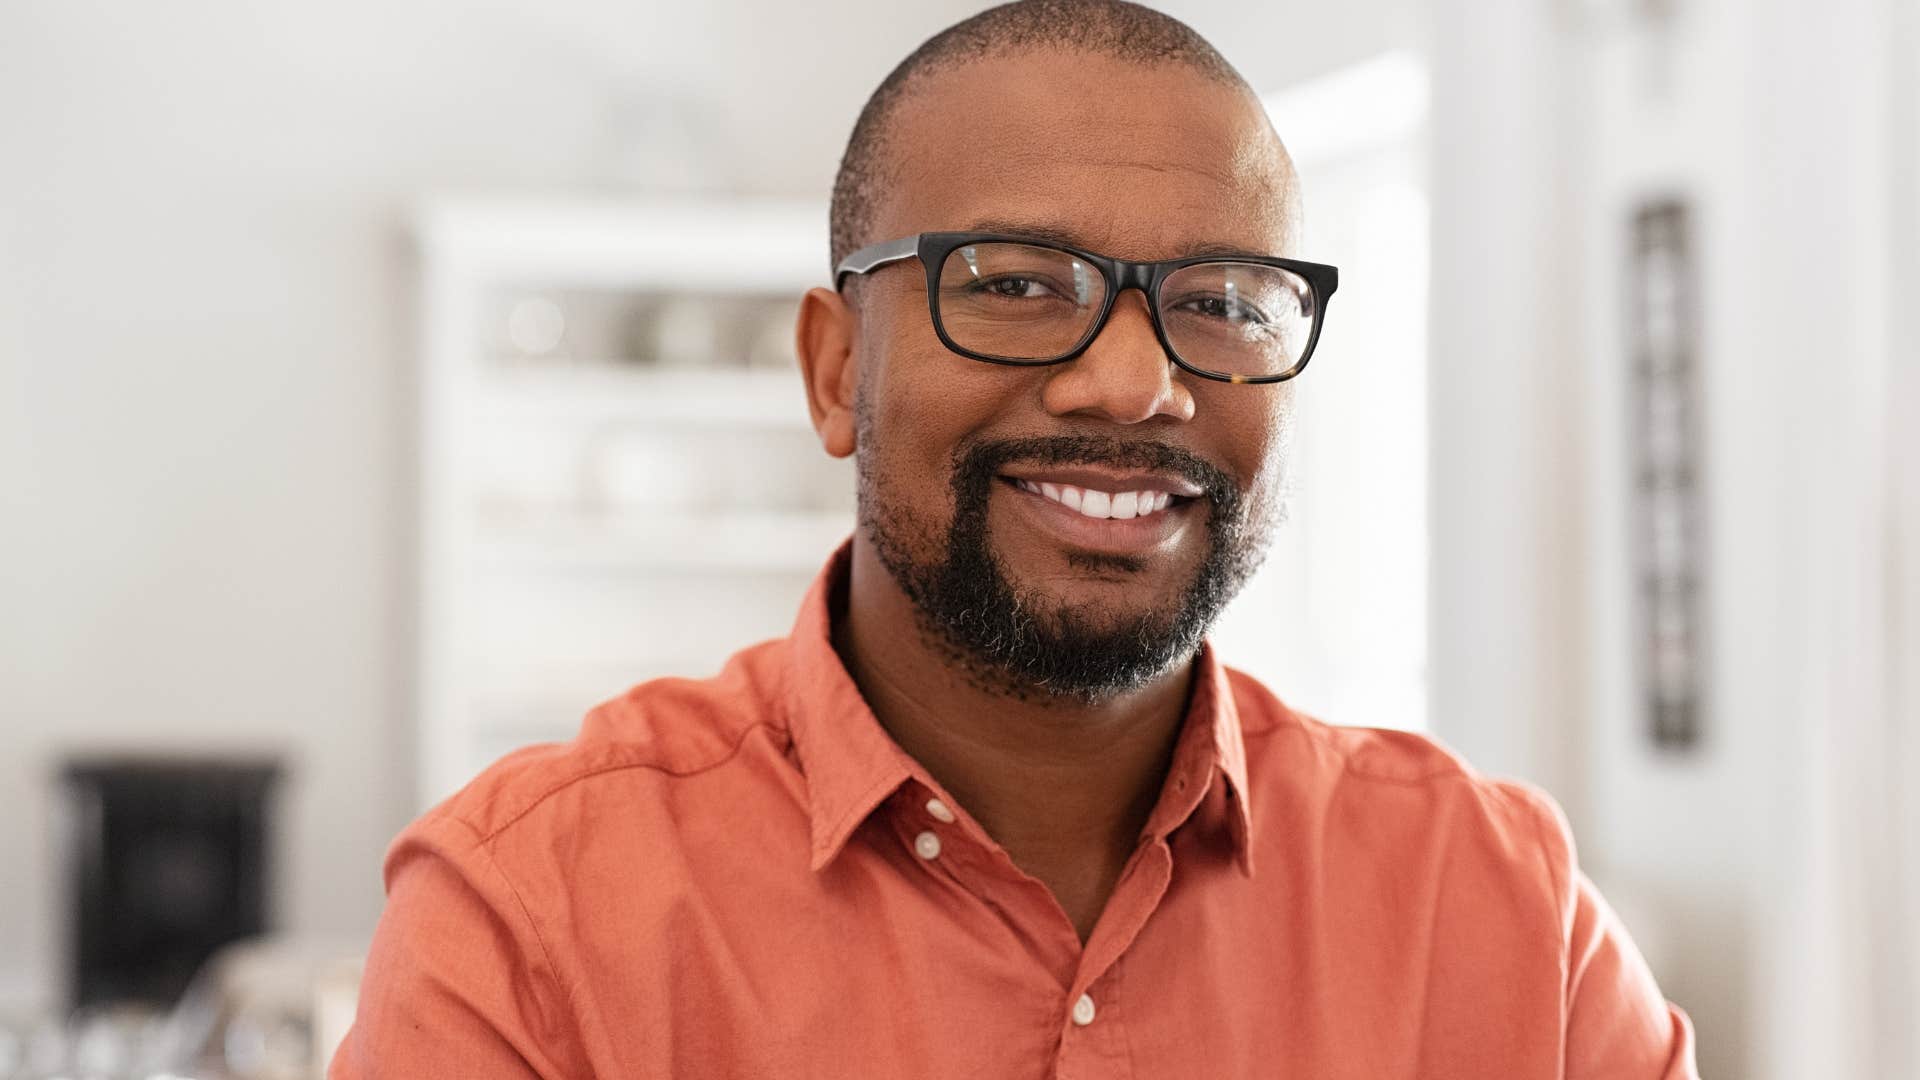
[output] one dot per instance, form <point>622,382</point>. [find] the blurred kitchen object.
<point>167,860</point>
<point>269,1009</point>
<point>272,1008</point>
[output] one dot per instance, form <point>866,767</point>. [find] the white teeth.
<point>1100,504</point>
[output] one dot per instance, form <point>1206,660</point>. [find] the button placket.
<point>953,851</point>
<point>919,823</point>
<point>927,845</point>
<point>1096,1041</point>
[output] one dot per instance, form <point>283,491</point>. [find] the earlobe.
<point>823,339</point>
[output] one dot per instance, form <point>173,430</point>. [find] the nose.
<point>1124,377</point>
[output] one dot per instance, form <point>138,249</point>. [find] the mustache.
<point>977,464</point>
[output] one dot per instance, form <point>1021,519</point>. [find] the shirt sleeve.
<point>458,982</point>
<point>1618,1024</point>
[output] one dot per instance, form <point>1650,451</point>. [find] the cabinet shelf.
<point>595,393</point>
<point>631,542</point>
<point>598,511</point>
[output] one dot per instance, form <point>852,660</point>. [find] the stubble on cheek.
<point>885,513</point>
<point>912,546</point>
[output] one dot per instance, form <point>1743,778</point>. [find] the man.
<point>995,809</point>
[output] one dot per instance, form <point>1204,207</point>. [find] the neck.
<point>1063,785</point>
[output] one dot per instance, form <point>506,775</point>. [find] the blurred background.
<point>374,399</point>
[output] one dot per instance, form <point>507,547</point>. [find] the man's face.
<point>1030,594</point>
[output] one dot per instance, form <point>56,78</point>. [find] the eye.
<point>1013,287</point>
<point>1228,308</point>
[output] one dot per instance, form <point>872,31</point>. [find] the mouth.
<point>1107,513</point>
<point>1098,504</point>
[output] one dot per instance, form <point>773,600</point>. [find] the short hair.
<point>1112,28</point>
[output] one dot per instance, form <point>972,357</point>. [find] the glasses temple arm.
<point>875,256</point>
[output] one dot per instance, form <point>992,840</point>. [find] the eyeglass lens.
<point>1024,302</point>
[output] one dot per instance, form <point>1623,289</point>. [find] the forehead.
<point>1133,161</point>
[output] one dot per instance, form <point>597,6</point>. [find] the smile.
<point>1093,503</point>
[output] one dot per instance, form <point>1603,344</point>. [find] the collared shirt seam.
<point>484,845</point>
<point>1320,735</point>
<point>600,770</point>
<point>1442,772</point>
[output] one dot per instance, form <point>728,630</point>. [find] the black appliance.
<point>167,861</point>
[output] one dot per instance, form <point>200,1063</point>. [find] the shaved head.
<point>1112,29</point>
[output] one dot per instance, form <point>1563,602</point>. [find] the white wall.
<point>1335,620</point>
<point>1767,874</point>
<point>205,397</point>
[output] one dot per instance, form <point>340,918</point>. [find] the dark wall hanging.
<point>1666,407</point>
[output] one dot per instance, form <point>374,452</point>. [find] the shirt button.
<point>1083,1010</point>
<point>939,810</point>
<point>927,846</point>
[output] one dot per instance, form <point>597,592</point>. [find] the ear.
<point>823,338</point>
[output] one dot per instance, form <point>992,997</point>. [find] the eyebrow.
<point>1066,237</point>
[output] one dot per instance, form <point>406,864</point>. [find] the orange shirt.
<point>743,876</point>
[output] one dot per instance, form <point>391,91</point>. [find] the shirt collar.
<point>1211,754</point>
<point>852,764</point>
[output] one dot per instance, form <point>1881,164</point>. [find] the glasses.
<point>1025,302</point>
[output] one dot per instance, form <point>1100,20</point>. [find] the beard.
<point>1016,641</point>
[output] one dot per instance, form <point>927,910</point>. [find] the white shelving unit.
<point>618,478</point>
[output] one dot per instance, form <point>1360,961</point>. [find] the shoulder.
<point>1403,784</point>
<point>652,736</point>
<point>671,784</point>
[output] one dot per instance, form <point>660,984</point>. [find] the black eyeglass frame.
<point>932,249</point>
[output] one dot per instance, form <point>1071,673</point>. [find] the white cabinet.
<point>618,479</point>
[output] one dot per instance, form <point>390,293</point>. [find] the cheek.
<point>926,402</point>
<point>1258,449</point>
<point>1278,441</point>
<point>919,404</point>
<point>1255,424</point>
